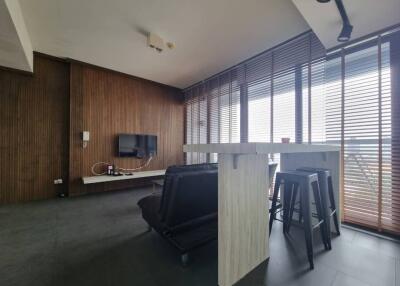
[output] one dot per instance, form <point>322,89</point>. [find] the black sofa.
<point>185,214</point>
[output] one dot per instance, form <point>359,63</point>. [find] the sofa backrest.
<point>193,195</point>
<point>170,173</point>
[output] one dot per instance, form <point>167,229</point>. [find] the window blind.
<point>269,82</point>
<point>259,110</point>
<point>361,136</point>
<point>391,207</point>
<point>348,97</point>
<point>212,114</point>
<point>360,98</point>
<point>284,107</point>
<point>313,102</point>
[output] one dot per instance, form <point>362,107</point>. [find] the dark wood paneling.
<point>34,116</point>
<point>107,103</point>
<point>43,114</point>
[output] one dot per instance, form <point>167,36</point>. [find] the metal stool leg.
<point>274,201</point>
<point>295,189</point>
<point>287,195</point>
<point>323,184</point>
<point>308,230</point>
<point>333,205</point>
<point>320,214</point>
<point>300,210</point>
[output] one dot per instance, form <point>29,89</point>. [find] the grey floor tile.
<point>102,240</point>
<point>342,279</point>
<point>366,265</point>
<point>378,244</point>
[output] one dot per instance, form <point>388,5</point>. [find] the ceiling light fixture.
<point>345,34</point>
<point>347,29</point>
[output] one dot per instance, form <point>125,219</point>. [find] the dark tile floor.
<point>101,240</point>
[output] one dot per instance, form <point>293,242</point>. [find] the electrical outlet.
<point>58,181</point>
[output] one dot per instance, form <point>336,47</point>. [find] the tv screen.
<point>137,145</point>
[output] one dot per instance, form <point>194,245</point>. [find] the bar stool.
<point>326,185</point>
<point>305,182</point>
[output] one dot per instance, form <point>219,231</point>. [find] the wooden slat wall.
<point>107,103</point>
<point>34,113</point>
<point>42,115</point>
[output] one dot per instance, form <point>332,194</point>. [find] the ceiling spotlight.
<point>324,1</point>
<point>345,34</point>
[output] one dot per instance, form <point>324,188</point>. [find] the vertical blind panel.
<point>259,110</point>
<point>258,68</point>
<point>395,84</point>
<point>224,111</point>
<point>229,109</point>
<point>284,106</point>
<point>390,212</point>
<point>235,108</point>
<point>214,106</point>
<point>333,107</point>
<point>305,102</point>
<point>316,104</point>
<point>213,114</point>
<point>361,135</point>
<point>202,123</point>
<point>188,118</point>
<point>297,52</point>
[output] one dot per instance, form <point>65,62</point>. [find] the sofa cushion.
<point>169,175</point>
<point>193,195</point>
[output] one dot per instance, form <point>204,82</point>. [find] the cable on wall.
<point>93,168</point>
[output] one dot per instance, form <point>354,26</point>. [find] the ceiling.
<point>15,45</point>
<point>210,35</point>
<point>366,16</point>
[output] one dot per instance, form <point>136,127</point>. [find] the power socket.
<point>58,181</point>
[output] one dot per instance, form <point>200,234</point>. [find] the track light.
<point>347,29</point>
<point>345,34</point>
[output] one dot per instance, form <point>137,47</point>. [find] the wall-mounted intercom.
<point>85,138</point>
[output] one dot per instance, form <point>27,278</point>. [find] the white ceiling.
<point>366,16</point>
<point>15,45</point>
<point>210,35</point>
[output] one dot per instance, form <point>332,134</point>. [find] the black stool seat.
<point>305,182</point>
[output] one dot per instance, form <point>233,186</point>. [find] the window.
<point>348,97</point>
<point>212,114</point>
<point>259,110</point>
<point>357,114</point>
<point>284,109</point>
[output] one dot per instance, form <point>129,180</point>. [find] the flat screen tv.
<point>137,145</point>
